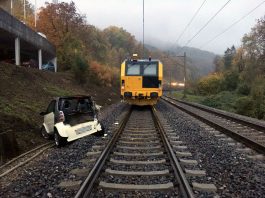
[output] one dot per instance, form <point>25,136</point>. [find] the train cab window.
<point>150,69</point>
<point>133,69</point>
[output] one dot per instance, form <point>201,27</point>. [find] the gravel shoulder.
<point>234,174</point>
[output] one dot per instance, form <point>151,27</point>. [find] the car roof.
<point>74,97</point>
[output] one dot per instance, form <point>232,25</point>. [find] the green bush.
<point>230,81</point>
<point>244,106</point>
<point>211,102</point>
<point>258,95</point>
<point>80,69</point>
<point>243,89</point>
<point>210,84</point>
<point>223,100</point>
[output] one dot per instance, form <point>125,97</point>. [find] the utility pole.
<point>35,16</point>
<point>170,83</point>
<point>11,7</point>
<point>185,75</point>
<point>24,11</point>
<point>143,30</point>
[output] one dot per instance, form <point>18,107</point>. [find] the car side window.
<point>51,107</point>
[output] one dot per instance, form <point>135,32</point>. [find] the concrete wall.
<point>18,29</point>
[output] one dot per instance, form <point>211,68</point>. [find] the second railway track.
<point>139,160</point>
<point>23,159</point>
<point>247,132</point>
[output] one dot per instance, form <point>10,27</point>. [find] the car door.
<point>49,117</point>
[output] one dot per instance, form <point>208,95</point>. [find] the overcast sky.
<point>166,19</point>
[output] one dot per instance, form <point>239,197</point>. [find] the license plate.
<point>83,129</point>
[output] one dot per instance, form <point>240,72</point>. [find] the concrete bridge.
<point>20,43</point>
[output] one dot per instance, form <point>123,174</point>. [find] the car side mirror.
<point>43,113</point>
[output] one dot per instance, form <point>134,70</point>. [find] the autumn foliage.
<point>241,72</point>
<point>75,39</point>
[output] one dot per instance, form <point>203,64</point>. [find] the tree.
<point>219,64</point>
<point>80,69</point>
<point>238,60</point>
<point>254,42</point>
<point>18,11</point>
<point>230,81</point>
<point>210,84</point>
<point>228,57</point>
<point>57,21</point>
<point>122,44</point>
<point>120,38</point>
<point>67,52</point>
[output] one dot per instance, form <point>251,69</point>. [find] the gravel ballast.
<point>41,177</point>
<point>231,171</point>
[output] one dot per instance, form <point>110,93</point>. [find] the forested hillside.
<point>238,83</point>
<point>200,62</point>
<point>87,51</point>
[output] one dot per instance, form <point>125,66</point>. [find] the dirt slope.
<point>25,92</point>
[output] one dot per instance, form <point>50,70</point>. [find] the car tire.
<point>44,133</point>
<point>59,140</point>
<point>101,132</point>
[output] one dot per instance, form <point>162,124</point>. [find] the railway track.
<point>249,132</point>
<point>23,159</point>
<point>139,160</point>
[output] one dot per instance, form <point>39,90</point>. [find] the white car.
<point>70,118</point>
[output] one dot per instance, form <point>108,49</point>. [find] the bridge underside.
<point>27,50</point>
<point>19,44</point>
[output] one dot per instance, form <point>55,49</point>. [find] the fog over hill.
<point>199,62</point>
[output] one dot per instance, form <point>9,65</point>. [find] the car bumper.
<point>77,131</point>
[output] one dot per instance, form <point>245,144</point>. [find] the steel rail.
<point>48,145</point>
<point>23,154</point>
<point>257,126</point>
<point>248,142</point>
<point>87,186</point>
<point>185,188</point>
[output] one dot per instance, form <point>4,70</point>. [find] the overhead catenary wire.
<point>232,25</point>
<point>143,30</point>
<point>193,17</point>
<point>205,25</point>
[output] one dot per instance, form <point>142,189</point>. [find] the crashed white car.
<point>70,118</point>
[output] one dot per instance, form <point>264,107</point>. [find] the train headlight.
<point>122,84</point>
<point>135,57</point>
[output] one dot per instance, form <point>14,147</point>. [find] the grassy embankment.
<point>225,100</point>
<point>25,92</point>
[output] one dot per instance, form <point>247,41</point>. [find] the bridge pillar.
<point>40,58</point>
<point>17,50</point>
<point>54,61</point>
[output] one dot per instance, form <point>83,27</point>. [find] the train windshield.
<point>133,69</point>
<point>142,69</point>
<point>150,69</point>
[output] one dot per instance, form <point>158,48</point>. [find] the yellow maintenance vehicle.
<point>141,81</point>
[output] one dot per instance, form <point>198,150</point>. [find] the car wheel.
<point>101,132</point>
<point>59,140</point>
<point>44,133</point>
